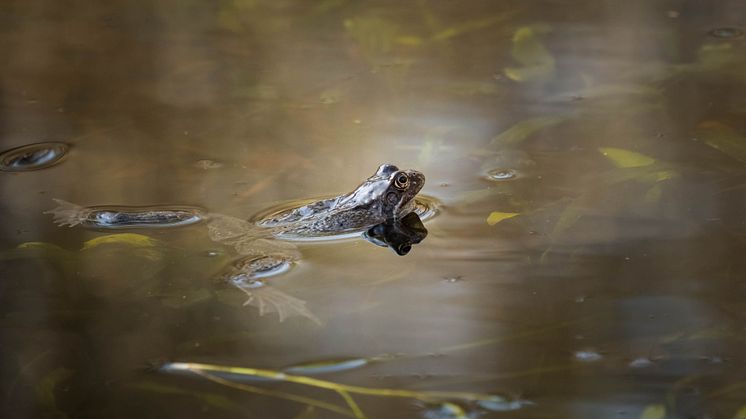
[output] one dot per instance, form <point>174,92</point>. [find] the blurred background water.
<point>586,261</point>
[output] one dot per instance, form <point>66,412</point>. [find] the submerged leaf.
<point>525,129</point>
<point>45,389</point>
<point>570,215</point>
<point>624,158</point>
<point>537,63</point>
<point>654,411</point>
<point>495,217</point>
<point>723,138</point>
<point>741,414</point>
<point>129,239</point>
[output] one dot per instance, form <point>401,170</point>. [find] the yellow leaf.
<point>129,239</point>
<point>624,158</point>
<point>495,217</point>
<point>525,129</point>
<point>654,411</point>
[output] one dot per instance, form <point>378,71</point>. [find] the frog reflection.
<point>398,234</point>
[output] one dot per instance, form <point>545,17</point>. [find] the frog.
<point>386,195</point>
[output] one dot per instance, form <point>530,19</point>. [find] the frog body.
<point>388,194</point>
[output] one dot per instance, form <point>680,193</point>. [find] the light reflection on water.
<point>617,290</point>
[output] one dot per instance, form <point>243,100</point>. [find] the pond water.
<point>584,256</point>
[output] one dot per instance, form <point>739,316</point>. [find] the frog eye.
<point>401,181</point>
<point>392,198</point>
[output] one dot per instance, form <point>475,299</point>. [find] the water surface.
<point>603,279</point>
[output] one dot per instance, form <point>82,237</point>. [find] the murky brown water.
<point>586,262</point>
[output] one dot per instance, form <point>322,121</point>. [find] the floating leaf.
<point>654,411</point>
<point>537,63</point>
<point>624,158</point>
<point>495,217</point>
<point>525,129</point>
<point>723,138</point>
<point>129,239</point>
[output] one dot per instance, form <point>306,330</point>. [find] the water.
<point>608,282</point>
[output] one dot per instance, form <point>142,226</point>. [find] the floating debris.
<point>321,367</point>
<point>32,157</point>
<point>726,33</point>
<point>444,402</point>
<point>122,217</point>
